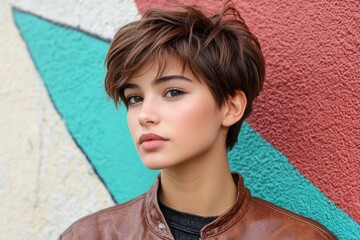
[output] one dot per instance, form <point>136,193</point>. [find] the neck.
<point>203,187</point>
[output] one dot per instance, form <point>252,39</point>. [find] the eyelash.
<point>128,99</point>
<point>178,91</point>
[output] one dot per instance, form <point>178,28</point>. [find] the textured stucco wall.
<point>300,149</point>
<point>310,109</point>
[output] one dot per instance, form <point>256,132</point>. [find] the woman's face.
<point>173,118</point>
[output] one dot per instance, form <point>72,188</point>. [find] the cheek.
<point>196,120</point>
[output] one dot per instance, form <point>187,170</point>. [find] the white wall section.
<point>46,183</point>
<point>102,18</point>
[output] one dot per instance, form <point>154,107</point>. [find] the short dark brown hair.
<point>219,49</point>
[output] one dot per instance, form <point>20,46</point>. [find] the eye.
<point>173,93</point>
<point>133,99</point>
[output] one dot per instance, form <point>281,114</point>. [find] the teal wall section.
<point>71,65</point>
<point>269,175</point>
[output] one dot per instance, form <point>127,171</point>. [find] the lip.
<point>151,141</point>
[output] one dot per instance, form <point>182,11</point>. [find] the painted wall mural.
<point>66,151</point>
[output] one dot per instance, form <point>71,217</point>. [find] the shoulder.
<point>286,223</point>
<point>107,219</point>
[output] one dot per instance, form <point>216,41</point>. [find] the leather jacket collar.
<point>155,218</point>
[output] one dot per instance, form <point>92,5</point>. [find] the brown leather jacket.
<point>250,219</point>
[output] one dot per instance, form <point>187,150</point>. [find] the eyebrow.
<point>157,81</point>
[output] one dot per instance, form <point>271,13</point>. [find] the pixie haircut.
<point>220,50</point>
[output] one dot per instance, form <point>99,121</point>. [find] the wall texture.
<point>66,152</point>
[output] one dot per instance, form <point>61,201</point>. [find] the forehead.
<point>157,67</point>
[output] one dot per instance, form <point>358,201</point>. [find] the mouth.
<point>151,141</point>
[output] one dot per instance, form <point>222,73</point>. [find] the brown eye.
<point>133,99</point>
<point>173,93</point>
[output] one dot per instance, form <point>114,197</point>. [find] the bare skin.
<point>204,188</point>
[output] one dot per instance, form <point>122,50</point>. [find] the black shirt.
<point>184,226</point>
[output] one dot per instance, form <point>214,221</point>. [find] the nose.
<point>148,114</point>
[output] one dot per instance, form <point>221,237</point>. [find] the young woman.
<point>188,82</point>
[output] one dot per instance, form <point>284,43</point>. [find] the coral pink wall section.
<point>309,109</point>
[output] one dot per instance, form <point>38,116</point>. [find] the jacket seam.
<point>322,231</point>
<point>149,227</point>
<point>117,207</point>
<point>237,220</point>
<point>69,231</point>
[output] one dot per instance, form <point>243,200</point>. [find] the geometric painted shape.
<point>101,18</point>
<point>310,107</point>
<point>269,175</point>
<point>46,182</point>
<point>71,66</point>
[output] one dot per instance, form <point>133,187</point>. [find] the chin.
<point>155,164</point>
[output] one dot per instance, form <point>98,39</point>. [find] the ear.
<point>234,109</point>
